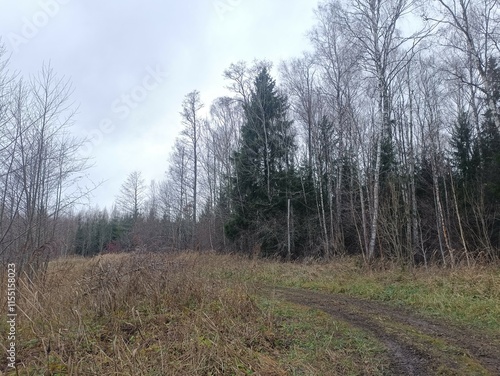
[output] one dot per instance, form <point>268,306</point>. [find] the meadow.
<point>209,314</point>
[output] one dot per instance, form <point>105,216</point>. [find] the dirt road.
<point>417,346</point>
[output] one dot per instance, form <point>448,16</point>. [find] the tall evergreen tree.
<point>264,169</point>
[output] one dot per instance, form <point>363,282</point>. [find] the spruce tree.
<point>263,169</point>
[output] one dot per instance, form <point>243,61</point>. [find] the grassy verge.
<point>184,314</point>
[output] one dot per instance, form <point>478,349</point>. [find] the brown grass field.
<point>206,314</point>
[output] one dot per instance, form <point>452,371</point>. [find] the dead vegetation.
<point>205,314</point>
<point>138,315</point>
<point>157,314</point>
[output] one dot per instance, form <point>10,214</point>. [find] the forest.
<point>382,140</point>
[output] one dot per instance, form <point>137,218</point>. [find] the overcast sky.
<point>132,62</point>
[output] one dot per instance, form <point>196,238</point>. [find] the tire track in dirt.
<point>417,346</point>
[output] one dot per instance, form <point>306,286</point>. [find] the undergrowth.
<point>175,314</point>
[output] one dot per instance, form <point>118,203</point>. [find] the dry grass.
<point>138,315</point>
<point>177,314</point>
<point>201,314</point>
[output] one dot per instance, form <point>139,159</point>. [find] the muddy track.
<point>416,345</point>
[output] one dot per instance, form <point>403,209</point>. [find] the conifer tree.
<point>264,168</point>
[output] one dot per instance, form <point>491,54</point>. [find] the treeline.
<point>383,141</point>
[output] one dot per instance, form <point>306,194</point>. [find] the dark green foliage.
<point>476,162</point>
<point>464,149</point>
<point>489,139</point>
<point>93,233</point>
<point>388,154</point>
<point>97,233</point>
<point>265,177</point>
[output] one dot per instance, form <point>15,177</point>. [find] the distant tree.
<point>93,233</point>
<point>192,132</point>
<point>132,195</point>
<point>178,190</point>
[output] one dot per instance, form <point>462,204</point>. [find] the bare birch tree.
<point>375,25</point>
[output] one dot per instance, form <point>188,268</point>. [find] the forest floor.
<point>210,314</point>
<point>416,345</point>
